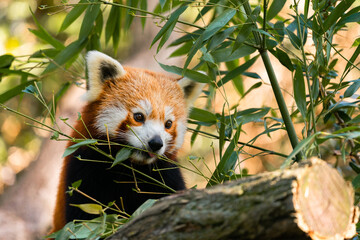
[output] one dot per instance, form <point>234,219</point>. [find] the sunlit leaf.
<point>70,150</point>
<point>90,208</point>
<point>73,14</point>
<point>122,155</point>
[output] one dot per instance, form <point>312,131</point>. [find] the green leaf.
<point>352,89</point>
<point>219,22</point>
<point>184,49</point>
<point>6,60</point>
<point>15,91</point>
<point>76,184</point>
<point>227,162</point>
<point>90,17</point>
<point>44,53</point>
<point>280,30</point>
<point>274,9</point>
<point>237,71</point>
<point>191,74</point>
<point>226,54</point>
<point>202,115</point>
<point>356,182</point>
<point>67,54</point>
<point>147,204</point>
<point>122,155</point>
<point>73,14</point>
<point>351,61</point>
<point>218,38</point>
<point>283,59</point>
<point>299,90</point>
<point>70,150</point>
<point>256,85</point>
<point>250,115</point>
<point>90,208</point>
<point>338,11</point>
<point>297,149</point>
<point>170,23</point>
<point>166,36</point>
<point>112,22</point>
<point>295,41</point>
<point>44,35</point>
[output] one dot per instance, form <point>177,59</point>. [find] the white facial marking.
<point>169,113</point>
<point>181,130</point>
<point>111,116</point>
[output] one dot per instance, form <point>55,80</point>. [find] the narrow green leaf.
<point>121,156</point>
<point>202,115</point>
<point>218,23</point>
<point>226,54</point>
<point>299,90</point>
<point>90,17</point>
<point>183,50</point>
<point>70,52</point>
<point>166,36</point>
<point>256,85</point>
<point>76,184</point>
<point>246,28</point>
<point>15,91</point>
<point>73,15</point>
<point>295,41</point>
<point>284,59</point>
<point>274,9</point>
<point>6,71</point>
<point>356,182</point>
<point>351,61</point>
<point>304,143</point>
<point>143,6</point>
<point>111,22</point>
<point>237,71</point>
<point>90,208</point>
<point>218,38</point>
<point>147,204</point>
<point>44,53</point>
<point>170,23</point>
<point>191,74</point>
<point>338,11</point>
<point>279,27</point>
<point>251,115</point>
<point>352,89</point>
<point>44,35</point>
<point>228,161</point>
<point>6,60</point>
<point>76,146</point>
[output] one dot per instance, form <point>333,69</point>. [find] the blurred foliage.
<point>220,45</point>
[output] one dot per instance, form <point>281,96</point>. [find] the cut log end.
<point>324,203</point>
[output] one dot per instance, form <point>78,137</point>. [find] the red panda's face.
<point>143,109</point>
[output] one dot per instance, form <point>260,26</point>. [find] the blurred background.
<point>30,161</point>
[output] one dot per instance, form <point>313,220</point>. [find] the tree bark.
<point>311,201</point>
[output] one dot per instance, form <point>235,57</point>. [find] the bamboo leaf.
<point>299,90</point>
<point>90,17</point>
<point>70,150</point>
<point>122,155</point>
<point>352,89</point>
<point>6,60</point>
<point>237,71</point>
<point>338,11</point>
<point>191,74</point>
<point>170,23</point>
<point>218,23</point>
<point>112,22</point>
<point>67,54</point>
<point>90,208</point>
<point>226,54</point>
<point>274,9</point>
<point>15,91</point>
<point>73,15</point>
<point>202,115</point>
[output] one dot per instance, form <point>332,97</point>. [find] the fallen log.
<point>311,201</point>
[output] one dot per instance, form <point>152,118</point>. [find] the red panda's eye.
<point>168,124</point>
<point>139,117</point>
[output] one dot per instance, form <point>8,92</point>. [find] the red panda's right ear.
<point>100,68</point>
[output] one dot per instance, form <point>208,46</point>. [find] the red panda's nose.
<point>155,143</point>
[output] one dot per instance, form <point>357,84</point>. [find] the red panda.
<point>135,107</point>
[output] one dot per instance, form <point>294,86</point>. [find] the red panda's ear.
<point>100,68</point>
<point>191,90</point>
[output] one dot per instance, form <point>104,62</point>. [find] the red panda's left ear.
<point>100,68</point>
<point>191,90</point>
